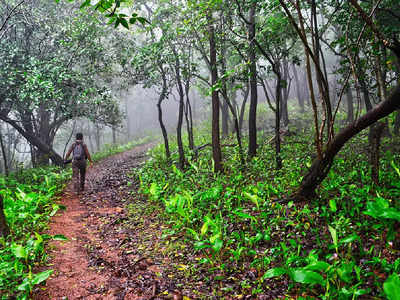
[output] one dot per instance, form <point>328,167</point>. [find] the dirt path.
<point>100,260</point>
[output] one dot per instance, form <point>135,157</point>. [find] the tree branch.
<point>10,14</point>
<point>394,45</point>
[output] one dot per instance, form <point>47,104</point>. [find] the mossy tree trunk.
<point>4,230</point>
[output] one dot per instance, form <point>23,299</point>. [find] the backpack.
<point>78,153</point>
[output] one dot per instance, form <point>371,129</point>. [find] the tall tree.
<point>215,132</point>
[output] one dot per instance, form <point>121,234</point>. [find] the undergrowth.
<point>28,197</point>
<point>343,245</point>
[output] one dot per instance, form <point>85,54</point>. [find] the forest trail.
<point>102,258</point>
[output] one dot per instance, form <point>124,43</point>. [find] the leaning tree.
<point>327,152</point>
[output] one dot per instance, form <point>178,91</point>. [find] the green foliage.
<point>29,202</point>
<point>329,248</point>
<point>392,287</point>
<point>111,8</point>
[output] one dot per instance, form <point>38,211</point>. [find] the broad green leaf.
<point>124,23</point>
<point>214,237</point>
<point>204,228</point>
<point>390,213</point>
<point>244,215</point>
<point>350,239</point>
<point>39,238</point>
<point>19,251</point>
<point>345,271</point>
<point>391,287</point>
<point>111,20</point>
<point>201,245</point>
<point>395,167</point>
<point>306,276</point>
<point>217,245</point>
<point>84,4</point>
<point>318,266</point>
<point>24,286</point>
<point>60,237</point>
<point>153,189</point>
<point>333,235</point>
<point>194,233</point>
<point>382,202</point>
<point>274,272</point>
<point>252,198</point>
<point>332,205</point>
<point>55,209</point>
<point>361,292</point>
<point>42,276</point>
<point>132,20</point>
<point>142,20</point>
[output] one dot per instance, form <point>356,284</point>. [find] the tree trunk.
<point>180,111</point>
<point>189,116</point>
<point>128,121</point>
<point>300,99</point>
<point>161,98</point>
<point>396,129</point>
<point>278,93</point>
<point>42,157</point>
<point>3,152</point>
<point>233,97</point>
<point>364,89</point>
<point>225,119</point>
<point>35,141</point>
<point>4,230</point>
<point>216,146</point>
<point>253,83</point>
<point>321,77</point>
<point>97,136</point>
<point>90,135</point>
<point>350,108</point>
<point>243,107</point>
<point>224,104</point>
<point>306,91</point>
<point>375,143</point>
<point>114,135</point>
<point>321,166</point>
<point>285,89</point>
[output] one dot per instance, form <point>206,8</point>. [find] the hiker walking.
<point>80,154</point>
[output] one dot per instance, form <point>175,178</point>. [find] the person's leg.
<point>75,176</point>
<point>82,170</point>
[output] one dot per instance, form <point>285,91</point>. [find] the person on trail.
<point>80,154</point>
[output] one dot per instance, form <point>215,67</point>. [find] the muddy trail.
<point>114,250</point>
